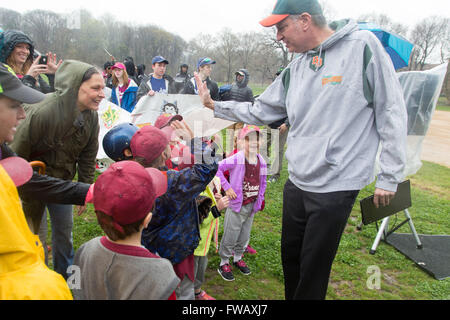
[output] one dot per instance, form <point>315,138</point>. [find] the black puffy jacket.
<point>240,91</point>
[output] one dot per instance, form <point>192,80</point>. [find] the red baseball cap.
<point>127,191</point>
<point>247,130</point>
<point>118,65</point>
<point>165,119</point>
<point>148,142</point>
<point>18,169</point>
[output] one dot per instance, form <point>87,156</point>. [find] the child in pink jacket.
<point>248,173</point>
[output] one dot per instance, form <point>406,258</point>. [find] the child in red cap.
<point>116,266</point>
<point>173,232</point>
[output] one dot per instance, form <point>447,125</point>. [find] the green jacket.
<point>57,133</point>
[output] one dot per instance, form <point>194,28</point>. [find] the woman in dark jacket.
<point>62,131</point>
<point>17,51</point>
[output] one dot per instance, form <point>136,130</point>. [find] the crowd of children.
<point>158,222</point>
<point>184,216</point>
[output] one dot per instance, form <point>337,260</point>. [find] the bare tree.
<point>446,86</point>
<point>10,19</point>
<point>445,42</point>
<point>267,63</point>
<point>226,48</point>
<point>200,46</point>
<point>270,39</point>
<point>385,22</point>
<point>249,45</point>
<point>42,26</point>
<point>428,36</point>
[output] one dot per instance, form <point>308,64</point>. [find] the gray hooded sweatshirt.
<point>342,99</point>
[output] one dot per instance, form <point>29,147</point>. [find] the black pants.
<point>312,227</point>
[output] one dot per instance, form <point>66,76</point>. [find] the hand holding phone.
<point>37,67</point>
<point>43,60</point>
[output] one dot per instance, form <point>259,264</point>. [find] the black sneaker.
<point>225,272</point>
<point>242,267</point>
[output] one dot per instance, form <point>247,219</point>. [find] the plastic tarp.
<point>421,90</point>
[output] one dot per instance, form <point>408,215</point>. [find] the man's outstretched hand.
<point>203,92</point>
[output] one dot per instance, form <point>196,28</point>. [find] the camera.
<point>43,60</point>
<point>215,212</point>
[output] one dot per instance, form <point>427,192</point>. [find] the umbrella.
<point>398,48</point>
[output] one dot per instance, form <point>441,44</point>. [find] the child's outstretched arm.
<point>193,181</point>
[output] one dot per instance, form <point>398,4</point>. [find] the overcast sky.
<point>188,18</point>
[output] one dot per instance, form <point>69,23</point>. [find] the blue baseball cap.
<point>159,59</point>
<point>204,61</point>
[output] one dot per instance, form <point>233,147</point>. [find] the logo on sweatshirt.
<point>317,62</point>
<point>333,80</point>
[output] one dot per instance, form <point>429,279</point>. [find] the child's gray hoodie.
<point>342,99</point>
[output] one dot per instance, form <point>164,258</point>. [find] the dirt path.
<point>436,146</point>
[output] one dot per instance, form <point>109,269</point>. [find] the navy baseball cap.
<point>204,61</point>
<point>159,59</point>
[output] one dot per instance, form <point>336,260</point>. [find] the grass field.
<point>401,278</point>
<point>442,104</point>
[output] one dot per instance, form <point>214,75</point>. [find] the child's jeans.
<point>236,233</point>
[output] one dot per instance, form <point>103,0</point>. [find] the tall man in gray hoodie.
<point>343,99</point>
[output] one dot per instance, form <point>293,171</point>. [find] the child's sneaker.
<point>203,296</point>
<point>250,250</point>
<point>225,272</point>
<point>242,267</point>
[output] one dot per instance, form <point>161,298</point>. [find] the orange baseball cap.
<point>284,8</point>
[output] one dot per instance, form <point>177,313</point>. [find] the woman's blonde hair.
<point>22,71</point>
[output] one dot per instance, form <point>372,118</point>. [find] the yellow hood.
<point>23,273</point>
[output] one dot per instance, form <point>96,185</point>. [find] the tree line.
<point>259,52</point>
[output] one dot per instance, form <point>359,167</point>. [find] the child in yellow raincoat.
<point>23,273</point>
<point>208,227</point>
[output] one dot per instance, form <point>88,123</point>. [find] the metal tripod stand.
<point>384,232</point>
